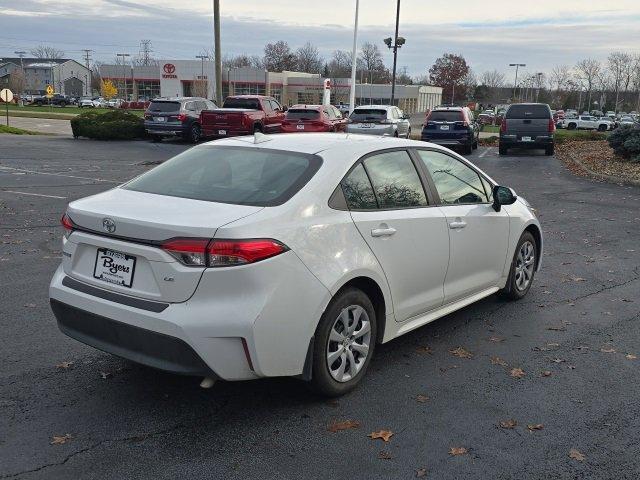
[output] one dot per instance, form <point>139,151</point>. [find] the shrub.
<point>625,142</point>
<point>112,125</point>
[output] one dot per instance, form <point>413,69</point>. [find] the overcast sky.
<point>489,33</point>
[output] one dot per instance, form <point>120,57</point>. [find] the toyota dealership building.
<point>178,78</point>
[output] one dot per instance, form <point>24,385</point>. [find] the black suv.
<point>452,127</point>
<point>527,125</point>
<point>56,99</point>
<point>176,117</point>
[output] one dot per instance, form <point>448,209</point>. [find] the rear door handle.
<point>383,232</point>
<point>457,225</point>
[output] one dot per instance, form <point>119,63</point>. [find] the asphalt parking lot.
<point>575,338</point>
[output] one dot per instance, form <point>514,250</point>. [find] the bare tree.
<point>278,57</point>
<point>308,59</point>
<point>200,88</point>
<point>44,51</point>
<point>340,64</point>
<point>372,63</point>
<point>617,62</point>
<point>493,79</point>
<point>589,71</point>
<point>560,83</point>
<point>17,82</point>
<point>240,61</point>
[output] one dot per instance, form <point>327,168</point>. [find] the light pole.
<point>124,75</point>
<point>217,51</point>
<point>202,58</point>
<point>539,75</point>
<point>515,82</point>
<point>397,43</point>
<point>354,54</point>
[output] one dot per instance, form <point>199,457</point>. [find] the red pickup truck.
<point>243,115</point>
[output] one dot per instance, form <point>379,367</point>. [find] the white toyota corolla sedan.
<point>288,255</point>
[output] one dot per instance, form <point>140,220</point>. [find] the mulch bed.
<point>598,157</point>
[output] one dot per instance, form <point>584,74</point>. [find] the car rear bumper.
<point>516,141</point>
<point>223,132</point>
<point>164,129</point>
<point>241,323</point>
<point>380,130</point>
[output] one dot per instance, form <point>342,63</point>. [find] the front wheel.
<point>523,268</point>
<point>343,343</point>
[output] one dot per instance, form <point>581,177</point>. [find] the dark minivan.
<point>527,125</point>
<point>176,117</point>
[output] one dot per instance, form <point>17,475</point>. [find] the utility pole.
<point>145,52</point>
<point>21,54</point>
<point>397,43</point>
<point>515,83</point>
<point>87,62</point>
<point>218,50</point>
<point>354,54</point>
<point>539,75</point>
<point>124,75</point>
<point>202,58</point>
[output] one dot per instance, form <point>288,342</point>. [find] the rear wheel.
<point>602,128</point>
<point>195,133</point>
<point>395,134</point>
<point>257,128</point>
<point>502,150</point>
<point>523,268</point>
<point>572,126</point>
<point>468,149</point>
<point>344,343</point>
<point>156,138</point>
<point>550,150</point>
<point>475,145</point>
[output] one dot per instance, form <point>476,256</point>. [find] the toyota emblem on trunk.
<point>108,225</point>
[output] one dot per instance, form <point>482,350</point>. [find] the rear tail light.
<point>201,252</point>
<point>552,125</point>
<point>503,126</point>
<point>181,117</point>
<point>147,116</point>
<point>67,224</point>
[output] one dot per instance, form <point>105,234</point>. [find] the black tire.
<point>409,134</point>
<point>257,128</point>
<point>572,126</point>
<point>511,290</point>
<point>395,134</point>
<point>195,133</point>
<point>502,150</point>
<point>62,104</point>
<point>475,145</point>
<point>602,128</point>
<point>156,138</point>
<point>550,150</point>
<point>468,149</point>
<point>322,382</point>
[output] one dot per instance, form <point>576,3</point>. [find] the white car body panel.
<point>275,304</point>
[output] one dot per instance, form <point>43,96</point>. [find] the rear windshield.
<point>236,175</point>
<point>302,114</point>
<point>164,107</point>
<point>248,103</point>
<point>445,116</point>
<point>529,111</point>
<point>372,114</point>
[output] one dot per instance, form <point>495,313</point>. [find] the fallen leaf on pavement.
<point>498,361</point>
<point>61,440</point>
<point>517,372</point>
<point>455,451</point>
<point>557,329</point>
<point>461,353</point>
<point>546,373</point>
<point>535,426</point>
<point>383,434</point>
<point>424,350</point>
<point>384,455</point>
<point>630,356</point>
<point>422,398</point>
<point>557,360</point>
<point>576,455</point>
<point>30,305</point>
<point>496,339</point>
<point>64,365</point>
<point>105,375</point>
<point>511,423</point>
<point>347,424</point>
<point>578,279</point>
<point>421,472</point>
<point>608,350</point>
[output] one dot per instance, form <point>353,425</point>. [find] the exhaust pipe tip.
<point>207,382</point>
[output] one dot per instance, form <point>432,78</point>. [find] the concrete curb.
<point>602,176</point>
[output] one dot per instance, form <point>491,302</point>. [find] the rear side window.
<point>249,103</point>
<point>302,114</point>
<point>529,112</point>
<point>358,190</point>
<point>395,181</point>
<point>164,107</point>
<point>236,175</point>
<point>445,116</point>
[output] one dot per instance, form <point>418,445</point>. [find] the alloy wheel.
<point>348,344</point>
<point>525,264</point>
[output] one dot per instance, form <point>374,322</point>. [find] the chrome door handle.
<point>457,225</point>
<point>383,232</point>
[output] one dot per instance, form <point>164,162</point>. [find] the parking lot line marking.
<point>59,175</point>
<point>485,152</point>
<point>32,194</point>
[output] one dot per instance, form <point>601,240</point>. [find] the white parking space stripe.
<point>31,194</point>
<point>485,152</point>
<point>59,175</point>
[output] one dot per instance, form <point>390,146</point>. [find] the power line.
<point>145,52</point>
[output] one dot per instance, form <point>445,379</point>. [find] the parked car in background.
<point>176,117</point>
<point>56,99</point>
<point>384,120</point>
<point>243,115</point>
<point>527,125</point>
<point>452,127</point>
<point>627,121</point>
<point>292,256</point>
<point>344,109</point>
<point>115,103</point>
<point>313,118</point>
<point>588,122</point>
<point>486,119</point>
<point>88,102</point>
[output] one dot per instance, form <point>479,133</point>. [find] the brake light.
<point>503,126</point>
<point>227,253</point>
<point>201,252</point>
<point>67,224</point>
<point>181,117</point>
<point>552,125</point>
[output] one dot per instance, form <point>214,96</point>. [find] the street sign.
<point>49,89</point>
<point>6,95</point>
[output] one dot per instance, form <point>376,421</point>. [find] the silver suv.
<point>379,120</point>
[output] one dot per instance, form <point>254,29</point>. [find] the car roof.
<point>308,107</point>
<point>177,99</point>
<point>379,107</point>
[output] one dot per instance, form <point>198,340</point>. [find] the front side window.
<point>395,180</point>
<point>358,191</point>
<point>455,182</point>
<point>235,175</point>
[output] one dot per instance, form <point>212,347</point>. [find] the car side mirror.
<point>503,196</point>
